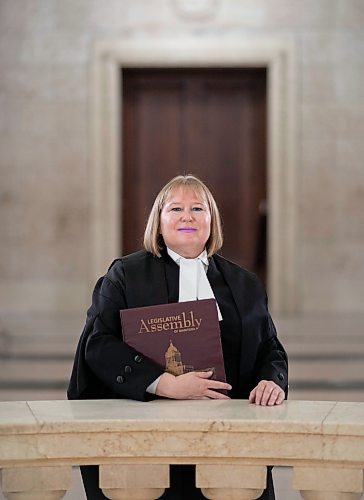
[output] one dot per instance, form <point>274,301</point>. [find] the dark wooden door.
<point>208,122</point>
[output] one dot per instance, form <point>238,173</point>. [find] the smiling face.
<point>185,222</point>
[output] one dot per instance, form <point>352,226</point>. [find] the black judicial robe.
<point>105,367</point>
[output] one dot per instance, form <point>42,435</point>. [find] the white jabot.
<point>193,282</point>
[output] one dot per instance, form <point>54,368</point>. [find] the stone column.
<point>325,483</point>
<point>36,483</point>
<point>231,482</point>
<point>133,482</point>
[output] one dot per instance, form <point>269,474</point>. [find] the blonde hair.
<point>153,240</point>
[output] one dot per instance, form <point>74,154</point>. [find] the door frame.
<point>278,56</point>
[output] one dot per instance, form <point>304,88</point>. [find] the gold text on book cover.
<point>185,322</point>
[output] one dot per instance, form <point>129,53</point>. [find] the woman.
<point>184,223</point>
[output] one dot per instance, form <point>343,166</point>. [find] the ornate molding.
<point>196,10</point>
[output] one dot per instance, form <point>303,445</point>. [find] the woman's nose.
<point>187,215</point>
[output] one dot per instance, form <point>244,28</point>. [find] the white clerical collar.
<point>193,282</point>
<point>177,258</point>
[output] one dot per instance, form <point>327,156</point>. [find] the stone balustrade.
<point>231,443</point>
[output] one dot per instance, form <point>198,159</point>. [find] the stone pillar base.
<point>134,494</point>
<point>36,483</point>
<point>133,482</point>
<point>231,482</point>
<point>321,483</point>
<point>231,493</point>
<point>329,495</point>
<point>36,495</point>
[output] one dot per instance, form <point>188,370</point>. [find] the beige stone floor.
<point>326,363</point>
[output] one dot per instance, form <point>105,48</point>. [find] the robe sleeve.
<point>105,366</point>
<point>271,362</point>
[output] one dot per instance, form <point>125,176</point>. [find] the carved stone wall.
<point>46,50</point>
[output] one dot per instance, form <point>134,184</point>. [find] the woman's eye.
<point>180,209</point>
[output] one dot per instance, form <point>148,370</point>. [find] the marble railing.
<point>231,443</point>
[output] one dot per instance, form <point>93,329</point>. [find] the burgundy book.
<point>180,337</point>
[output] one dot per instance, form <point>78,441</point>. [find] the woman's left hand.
<point>267,393</point>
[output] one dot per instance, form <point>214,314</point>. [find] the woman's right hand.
<point>192,385</point>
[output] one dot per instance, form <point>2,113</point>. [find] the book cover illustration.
<point>180,337</point>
